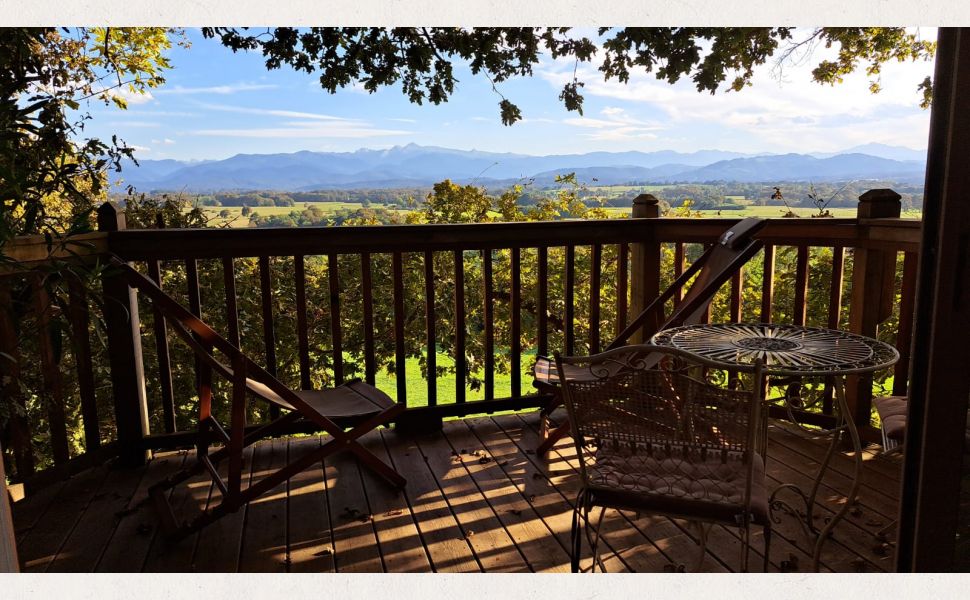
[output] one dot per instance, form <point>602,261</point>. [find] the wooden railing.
<point>354,299</point>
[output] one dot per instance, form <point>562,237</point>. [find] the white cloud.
<point>619,125</point>
<point>293,114</point>
<point>402,120</point>
<point>164,141</point>
<point>781,112</point>
<point>133,123</point>
<point>217,89</point>
<point>304,129</point>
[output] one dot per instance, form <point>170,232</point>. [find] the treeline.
<point>314,216</point>
<point>737,196</point>
<point>365,197</point>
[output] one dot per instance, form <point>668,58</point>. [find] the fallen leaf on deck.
<point>393,513</point>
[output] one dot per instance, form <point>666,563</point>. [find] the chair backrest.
<point>643,403</point>
<point>701,281</point>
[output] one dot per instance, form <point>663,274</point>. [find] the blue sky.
<point>216,104</point>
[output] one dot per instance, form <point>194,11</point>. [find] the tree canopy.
<point>50,175</point>
<point>422,59</point>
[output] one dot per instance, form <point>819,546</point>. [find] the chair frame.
<point>643,359</point>
<point>203,340</point>
<point>652,318</point>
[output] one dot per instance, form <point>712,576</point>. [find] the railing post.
<point>873,280</point>
<point>124,350</point>
<point>644,265</point>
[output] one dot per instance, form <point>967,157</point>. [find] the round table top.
<point>785,349</point>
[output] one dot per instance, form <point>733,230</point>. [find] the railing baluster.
<point>801,286</point>
<point>516,341</point>
<point>53,384</point>
<point>459,326</point>
<point>269,329</point>
<point>162,351</point>
<point>333,278</point>
<point>370,367</point>
<point>767,283</point>
<point>543,301</point>
<point>400,364</point>
<point>835,313</point>
<point>570,296</point>
<point>594,298</point>
<point>706,317</point>
<point>302,339</point>
<point>678,270</point>
<point>80,317</point>
<point>736,285</point>
<point>195,303</point>
<point>904,335</point>
<point>20,434</point>
<point>622,284</point>
<point>489,325</point>
<point>429,318</point>
<point>232,309</point>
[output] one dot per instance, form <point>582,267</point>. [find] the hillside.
<point>414,166</point>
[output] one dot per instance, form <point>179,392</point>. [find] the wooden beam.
<point>939,387</point>
<point>8,542</point>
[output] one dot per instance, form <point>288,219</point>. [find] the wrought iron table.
<point>793,351</point>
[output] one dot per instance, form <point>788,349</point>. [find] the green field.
<point>417,386</point>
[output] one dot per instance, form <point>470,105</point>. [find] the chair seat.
<point>702,487</point>
<point>546,373</point>
<point>892,412</point>
<point>349,400</point>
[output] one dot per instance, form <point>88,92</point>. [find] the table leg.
<point>846,423</point>
<point>843,424</point>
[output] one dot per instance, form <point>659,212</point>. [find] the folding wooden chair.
<point>354,403</point>
<point>715,267</point>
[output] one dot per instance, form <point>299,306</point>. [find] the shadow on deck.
<point>478,499</point>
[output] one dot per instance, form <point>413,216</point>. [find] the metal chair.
<point>654,435</point>
<point>699,283</point>
<point>355,404</point>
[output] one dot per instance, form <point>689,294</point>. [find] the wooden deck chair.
<point>715,267</point>
<point>354,404</point>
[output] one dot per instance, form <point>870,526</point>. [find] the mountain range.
<point>419,166</point>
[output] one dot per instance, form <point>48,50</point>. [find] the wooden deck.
<point>478,499</point>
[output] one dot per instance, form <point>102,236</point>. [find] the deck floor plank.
<point>398,537</point>
<point>509,511</point>
<point>46,539</point>
<point>309,539</point>
<point>494,548</point>
<point>544,551</point>
<point>136,526</point>
<point>447,546</point>
<point>356,548</point>
<point>218,545</point>
<point>84,545</point>
<point>264,537</point>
